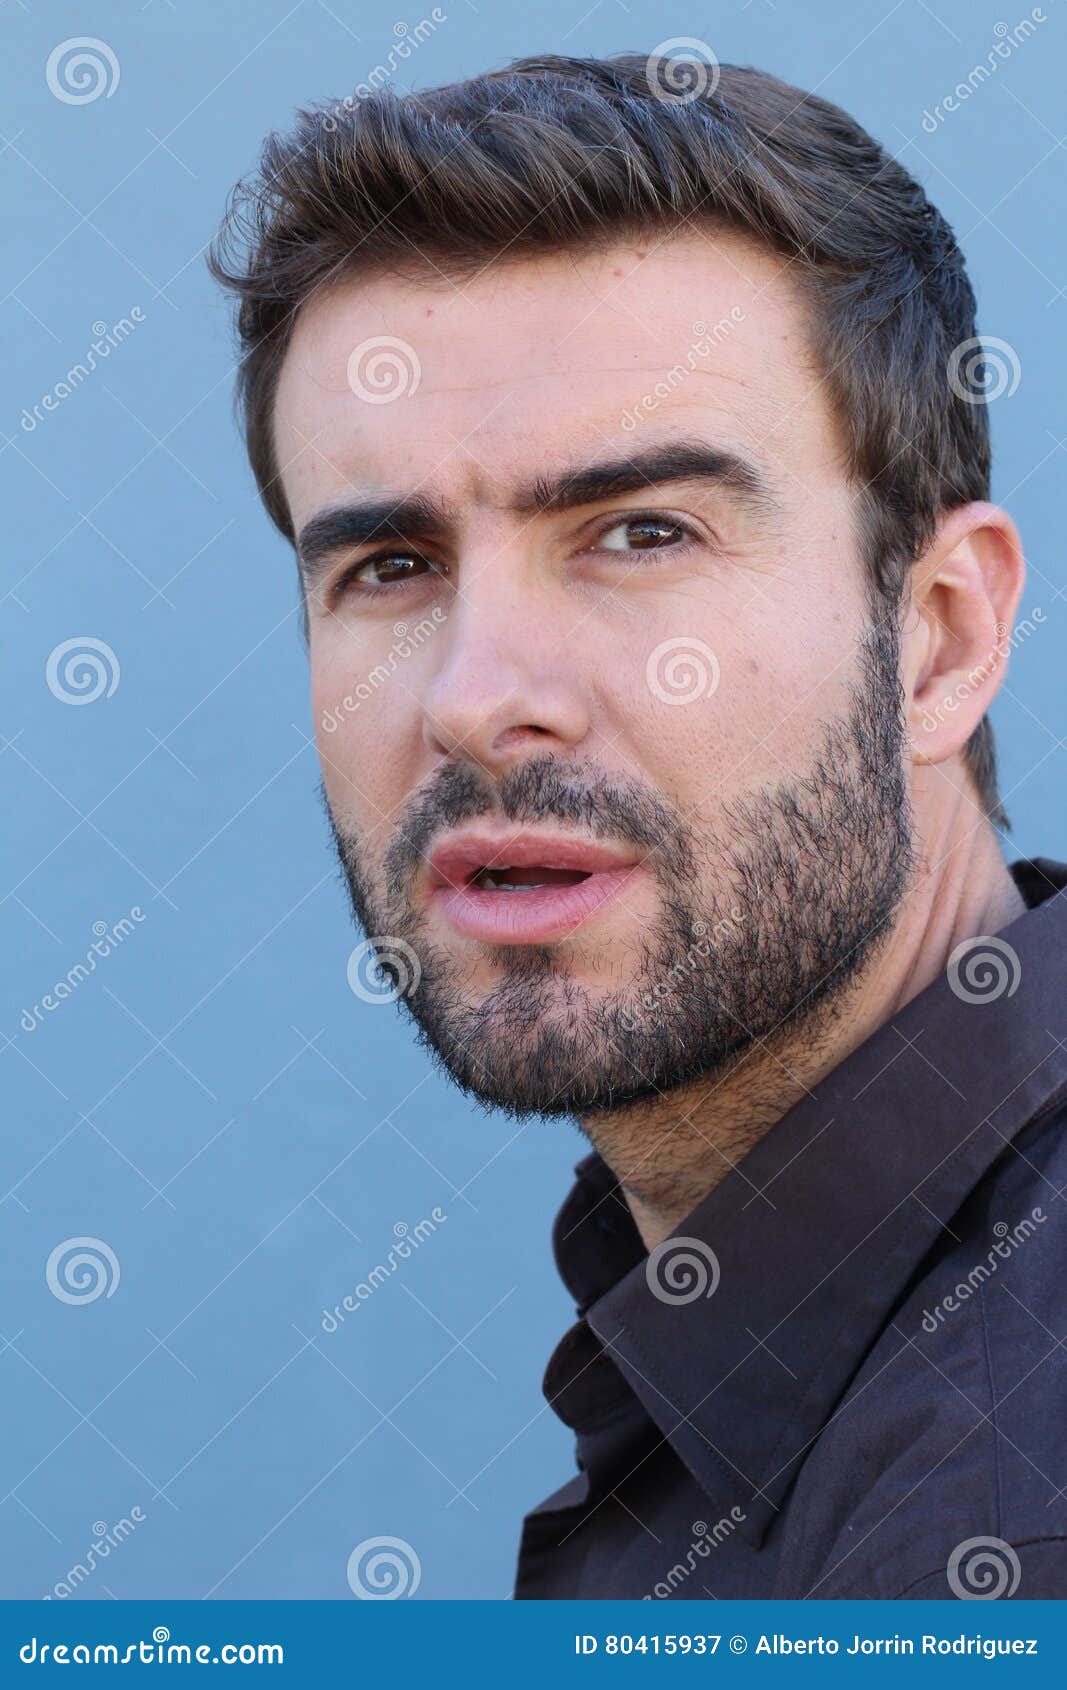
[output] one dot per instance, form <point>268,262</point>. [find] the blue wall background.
<point>212,1102</point>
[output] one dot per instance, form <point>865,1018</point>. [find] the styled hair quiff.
<point>556,153</point>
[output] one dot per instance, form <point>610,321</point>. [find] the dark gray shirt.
<point>846,1373</point>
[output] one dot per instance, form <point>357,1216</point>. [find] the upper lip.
<point>457,858</point>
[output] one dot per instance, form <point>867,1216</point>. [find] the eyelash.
<point>375,590</point>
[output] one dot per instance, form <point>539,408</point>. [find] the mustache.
<point>541,789</point>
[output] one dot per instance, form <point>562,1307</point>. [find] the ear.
<point>964,593</point>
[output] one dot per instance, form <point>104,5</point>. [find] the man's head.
<point>638,490</point>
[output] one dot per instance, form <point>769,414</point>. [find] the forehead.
<point>465,386</point>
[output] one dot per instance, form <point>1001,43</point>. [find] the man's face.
<point>606,737</point>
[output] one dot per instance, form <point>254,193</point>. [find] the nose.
<point>507,685</point>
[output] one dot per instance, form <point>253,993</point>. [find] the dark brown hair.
<point>556,153</point>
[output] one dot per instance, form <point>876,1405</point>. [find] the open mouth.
<point>519,879</point>
<point>523,888</point>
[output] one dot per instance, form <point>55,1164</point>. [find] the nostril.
<point>517,737</point>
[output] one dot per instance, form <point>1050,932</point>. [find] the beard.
<point>765,919</point>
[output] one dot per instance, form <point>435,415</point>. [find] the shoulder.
<point>948,1446</point>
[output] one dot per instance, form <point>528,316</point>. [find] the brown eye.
<point>389,571</point>
<point>642,534</point>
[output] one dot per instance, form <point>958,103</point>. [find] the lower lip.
<point>529,917</point>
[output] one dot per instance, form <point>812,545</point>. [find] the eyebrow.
<point>360,522</point>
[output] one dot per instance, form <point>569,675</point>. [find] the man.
<point>626,418</point>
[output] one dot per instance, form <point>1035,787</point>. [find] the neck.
<point>668,1154</point>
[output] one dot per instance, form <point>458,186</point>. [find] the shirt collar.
<point>808,1243</point>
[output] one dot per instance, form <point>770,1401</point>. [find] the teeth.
<point>492,880</point>
<point>496,880</point>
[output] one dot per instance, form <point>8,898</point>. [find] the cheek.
<point>362,734</point>
<point>733,706</point>
<point>785,699</point>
